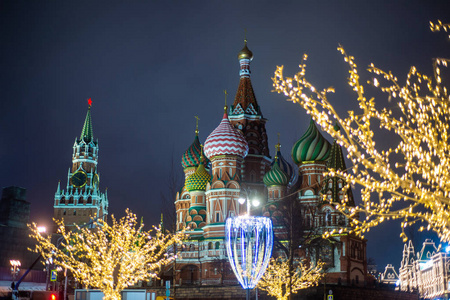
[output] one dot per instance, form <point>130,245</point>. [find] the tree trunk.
<point>111,295</point>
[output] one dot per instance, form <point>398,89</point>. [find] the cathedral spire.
<point>87,132</point>
<point>245,100</point>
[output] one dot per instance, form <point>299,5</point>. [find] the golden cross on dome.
<point>245,35</point>
<point>196,124</point>
<point>226,94</point>
<point>277,146</point>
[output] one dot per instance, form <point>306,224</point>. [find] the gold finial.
<point>226,94</point>
<point>277,147</point>
<point>161,218</point>
<point>245,36</point>
<point>196,124</point>
<point>201,153</point>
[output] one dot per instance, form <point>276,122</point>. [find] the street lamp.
<point>15,269</point>
<point>254,202</point>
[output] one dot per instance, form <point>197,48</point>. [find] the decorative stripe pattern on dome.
<point>285,166</point>
<point>198,180</point>
<point>312,146</point>
<point>192,156</point>
<point>225,140</point>
<point>276,176</point>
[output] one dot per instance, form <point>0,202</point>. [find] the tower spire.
<point>87,132</point>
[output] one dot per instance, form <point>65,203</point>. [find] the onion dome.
<point>225,140</point>
<point>283,164</point>
<point>193,155</point>
<point>245,53</point>
<point>312,146</point>
<point>276,176</point>
<point>198,180</point>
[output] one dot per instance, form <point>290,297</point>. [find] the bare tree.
<point>168,195</point>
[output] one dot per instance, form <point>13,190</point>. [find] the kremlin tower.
<point>82,200</point>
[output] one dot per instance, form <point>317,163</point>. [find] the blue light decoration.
<point>249,242</point>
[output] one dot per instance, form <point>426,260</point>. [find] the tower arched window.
<point>328,218</point>
<point>217,245</point>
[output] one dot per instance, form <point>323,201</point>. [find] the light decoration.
<point>109,257</point>
<point>249,242</point>
<point>410,181</point>
<point>275,280</point>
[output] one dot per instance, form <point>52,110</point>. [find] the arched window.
<point>210,246</point>
<point>217,245</point>
<point>328,218</point>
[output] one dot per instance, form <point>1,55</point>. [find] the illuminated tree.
<point>409,181</point>
<point>109,257</point>
<point>275,280</point>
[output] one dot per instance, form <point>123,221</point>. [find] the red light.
<point>52,297</point>
<point>89,102</point>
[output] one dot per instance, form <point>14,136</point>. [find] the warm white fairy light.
<point>109,257</point>
<point>409,181</point>
<point>276,279</point>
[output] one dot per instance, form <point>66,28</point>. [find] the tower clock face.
<point>79,179</point>
<point>96,180</point>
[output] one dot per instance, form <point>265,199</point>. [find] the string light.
<point>409,181</point>
<point>109,257</point>
<point>275,280</point>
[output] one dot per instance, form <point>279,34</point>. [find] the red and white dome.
<point>225,140</point>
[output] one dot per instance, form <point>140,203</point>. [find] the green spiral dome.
<point>276,176</point>
<point>198,180</point>
<point>312,146</point>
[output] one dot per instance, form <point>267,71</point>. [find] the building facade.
<point>82,200</point>
<point>426,272</point>
<point>235,162</point>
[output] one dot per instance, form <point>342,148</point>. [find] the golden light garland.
<point>109,257</point>
<point>275,280</point>
<point>409,181</point>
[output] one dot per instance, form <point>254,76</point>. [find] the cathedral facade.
<point>235,163</point>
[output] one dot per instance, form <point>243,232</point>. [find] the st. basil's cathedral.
<point>235,163</point>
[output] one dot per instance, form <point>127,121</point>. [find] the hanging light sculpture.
<point>249,242</point>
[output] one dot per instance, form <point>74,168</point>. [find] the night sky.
<point>151,66</point>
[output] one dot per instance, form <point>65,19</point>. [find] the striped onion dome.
<point>276,176</point>
<point>225,140</point>
<point>283,164</point>
<point>198,180</point>
<point>312,146</point>
<point>191,157</point>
